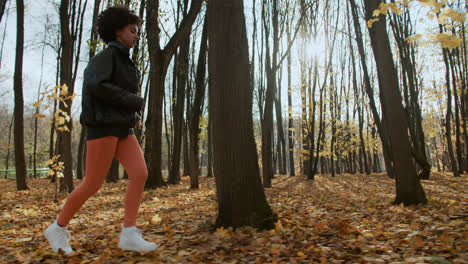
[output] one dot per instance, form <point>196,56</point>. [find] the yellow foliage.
<point>40,116</point>
<point>414,38</point>
<point>371,21</point>
<point>449,14</point>
<point>447,40</point>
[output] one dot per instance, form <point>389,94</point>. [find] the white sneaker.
<point>130,239</point>
<point>58,238</point>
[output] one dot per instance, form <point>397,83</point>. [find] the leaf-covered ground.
<point>346,219</point>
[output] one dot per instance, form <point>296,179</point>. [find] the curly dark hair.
<point>114,18</point>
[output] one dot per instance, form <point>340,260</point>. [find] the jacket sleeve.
<point>98,77</point>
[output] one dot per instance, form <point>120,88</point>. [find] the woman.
<point>109,110</point>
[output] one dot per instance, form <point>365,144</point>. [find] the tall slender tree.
<point>20,160</point>
<point>408,186</point>
<point>241,199</point>
<point>182,71</point>
<point>92,51</point>
<point>370,92</point>
<point>159,62</point>
<point>196,111</point>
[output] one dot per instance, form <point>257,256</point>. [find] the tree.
<point>178,111</point>
<point>20,160</point>
<point>402,29</point>
<point>71,29</point>
<point>196,111</point>
<point>159,62</point>
<point>408,186</point>
<point>241,199</point>
<point>2,8</point>
<point>92,51</point>
<point>370,93</point>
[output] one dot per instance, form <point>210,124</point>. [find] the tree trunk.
<point>312,170</point>
<point>81,155</point>
<point>159,62</point>
<point>408,186</point>
<point>370,93</point>
<point>66,64</point>
<point>402,29</point>
<point>448,116</point>
<point>304,126</point>
<point>292,170</point>
<point>7,158</point>
<point>331,87</point>
<point>209,166</point>
<point>113,173</point>
<point>458,148</point>
<point>20,159</point>
<point>179,123</point>
<point>196,111</point>
<point>2,8</point>
<point>241,199</point>
<point>267,127</point>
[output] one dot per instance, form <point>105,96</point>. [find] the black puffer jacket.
<point>110,86</point>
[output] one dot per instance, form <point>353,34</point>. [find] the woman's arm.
<point>98,77</point>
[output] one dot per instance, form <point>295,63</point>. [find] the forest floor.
<point>346,219</point>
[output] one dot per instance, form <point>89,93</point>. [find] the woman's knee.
<point>91,187</point>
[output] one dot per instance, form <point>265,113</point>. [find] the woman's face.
<point>127,35</point>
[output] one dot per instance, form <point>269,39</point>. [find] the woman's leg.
<point>129,154</point>
<point>99,155</point>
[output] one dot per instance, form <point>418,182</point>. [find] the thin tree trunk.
<point>81,155</point>
<point>448,116</point>
<point>113,173</point>
<point>196,111</point>
<point>20,160</point>
<point>409,190</point>
<point>7,158</point>
<point>37,109</point>
<point>292,170</point>
<point>66,64</point>
<point>458,147</point>
<point>209,166</point>
<point>402,29</point>
<point>369,91</point>
<point>159,61</point>
<point>179,123</point>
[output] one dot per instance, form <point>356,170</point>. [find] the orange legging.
<point>100,153</point>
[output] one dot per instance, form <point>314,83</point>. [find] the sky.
<point>36,14</point>
<point>38,11</point>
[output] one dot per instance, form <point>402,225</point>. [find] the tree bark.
<point>292,169</point>
<point>402,29</point>
<point>408,186</point>
<point>370,93</point>
<point>159,61</point>
<point>241,199</point>
<point>113,173</point>
<point>196,111</point>
<point>81,155</point>
<point>209,166</point>
<point>20,159</point>
<point>66,64</point>
<point>179,123</point>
